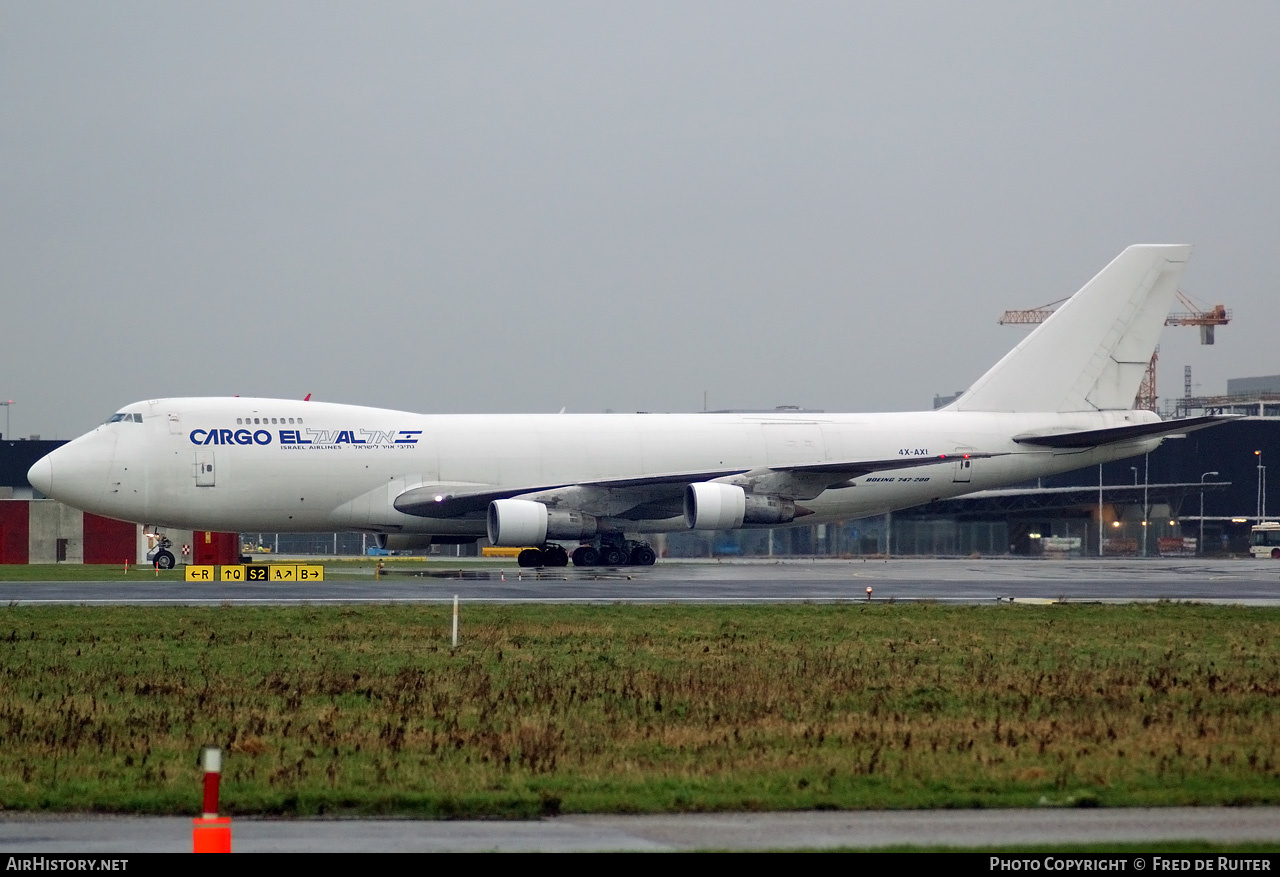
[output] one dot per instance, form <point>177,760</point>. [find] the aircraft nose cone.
<point>41,475</point>
<point>83,465</point>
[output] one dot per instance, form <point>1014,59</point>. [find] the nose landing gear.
<point>161,556</point>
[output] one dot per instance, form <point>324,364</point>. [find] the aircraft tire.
<point>1275,553</point>
<point>585,555</point>
<point>530,557</point>
<point>555,555</point>
<point>165,560</point>
<point>613,556</point>
<point>642,555</point>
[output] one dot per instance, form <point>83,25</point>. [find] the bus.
<point>1264,540</point>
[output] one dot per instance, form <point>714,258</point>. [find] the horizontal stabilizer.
<point>1091,438</point>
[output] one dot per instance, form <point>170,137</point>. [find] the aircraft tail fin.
<point>1091,354</point>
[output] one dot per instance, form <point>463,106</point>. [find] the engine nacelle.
<point>517,522</point>
<point>714,506</point>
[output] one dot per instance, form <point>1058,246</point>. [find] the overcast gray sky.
<point>473,206</point>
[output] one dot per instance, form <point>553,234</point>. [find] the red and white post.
<point>211,759</point>
<point>211,833</point>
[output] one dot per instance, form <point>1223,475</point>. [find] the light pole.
<point>1200,544</point>
<point>1100,530</point>
<point>1134,469</point>
<point>1258,454</point>
<point>6,417</point>
<point>1146,504</point>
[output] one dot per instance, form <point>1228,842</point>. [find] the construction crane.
<point>1207,320</point>
<point>1192,316</point>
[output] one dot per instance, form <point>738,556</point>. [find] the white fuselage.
<point>241,464</point>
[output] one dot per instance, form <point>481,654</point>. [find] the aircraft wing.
<point>1090,438</point>
<point>858,468</point>
<point>450,501</point>
<point>651,496</point>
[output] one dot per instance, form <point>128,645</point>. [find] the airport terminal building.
<point>1103,509</point>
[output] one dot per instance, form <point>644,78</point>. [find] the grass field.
<point>546,709</point>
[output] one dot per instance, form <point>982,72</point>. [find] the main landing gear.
<point>550,554</point>
<point>624,553</point>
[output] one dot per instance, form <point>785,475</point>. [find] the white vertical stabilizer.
<point>1090,355</point>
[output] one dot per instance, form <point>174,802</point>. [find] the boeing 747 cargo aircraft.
<point>1060,400</point>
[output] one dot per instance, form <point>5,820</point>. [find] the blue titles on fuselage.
<point>230,437</point>
<point>314,437</point>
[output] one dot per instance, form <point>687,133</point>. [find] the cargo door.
<point>962,468</point>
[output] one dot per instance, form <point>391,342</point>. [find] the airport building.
<point>1142,506</point>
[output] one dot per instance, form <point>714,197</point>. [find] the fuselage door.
<point>962,468</point>
<point>204,468</point>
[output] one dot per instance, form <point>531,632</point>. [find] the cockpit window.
<point>126,418</point>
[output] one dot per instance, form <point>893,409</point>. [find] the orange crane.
<point>1206,319</point>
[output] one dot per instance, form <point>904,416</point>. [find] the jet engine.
<point>516,522</point>
<point>714,506</point>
